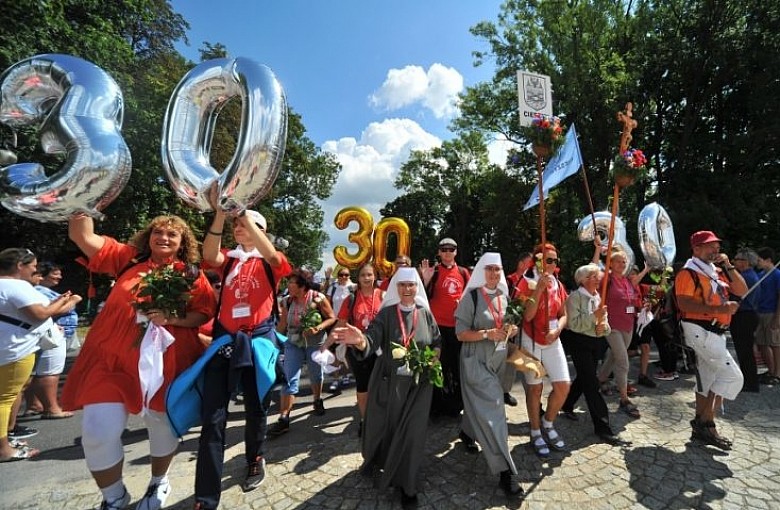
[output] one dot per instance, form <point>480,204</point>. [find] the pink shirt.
<point>621,303</point>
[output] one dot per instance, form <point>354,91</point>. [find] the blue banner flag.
<point>564,163</point>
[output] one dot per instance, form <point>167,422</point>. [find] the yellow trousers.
<point>12,379</point>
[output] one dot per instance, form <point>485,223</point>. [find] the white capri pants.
<point>718,372</point>
<point>101,434</point>
<point>552,357</point>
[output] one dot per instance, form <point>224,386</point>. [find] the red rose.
<point>179,266</point>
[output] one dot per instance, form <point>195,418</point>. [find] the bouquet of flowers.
<point>516,308</point>
<point>545,133</point>
<point>167,288</point>
<point>312,317</point>
<point>628,167</point>
<point>420,362</point>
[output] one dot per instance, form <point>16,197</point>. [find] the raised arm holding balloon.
<point>108,379</point>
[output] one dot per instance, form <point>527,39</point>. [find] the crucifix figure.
<point>626,118</point>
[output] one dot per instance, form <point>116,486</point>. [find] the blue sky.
<point>372,80</point>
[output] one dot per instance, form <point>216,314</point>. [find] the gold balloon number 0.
<point>371,241</point>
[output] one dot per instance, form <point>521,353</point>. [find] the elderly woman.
<point>479,324</point>
<point>105,380</point>
<point>584,337</point>
<point>621,301</point>
<point>24,314</point>
<point>302,341</point>
<point>397,412</point>
<point>545,318</point>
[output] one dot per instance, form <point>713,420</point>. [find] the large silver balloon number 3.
<point>80,108</point>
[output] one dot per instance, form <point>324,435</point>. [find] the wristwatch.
<point>484,334</point>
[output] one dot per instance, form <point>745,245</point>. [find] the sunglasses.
<point>550,260</point>
<point>217,286</point>
<point>343,275</point>
<point>447,249</point>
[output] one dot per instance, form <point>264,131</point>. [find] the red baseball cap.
<point>703,237</point>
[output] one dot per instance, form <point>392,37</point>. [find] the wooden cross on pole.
<point>626,118</point>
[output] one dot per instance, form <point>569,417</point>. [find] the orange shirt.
<point>685,286</point>
<point>106,369</point>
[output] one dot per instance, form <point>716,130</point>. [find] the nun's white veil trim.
<point>405,274</point>
<point>477,279</point>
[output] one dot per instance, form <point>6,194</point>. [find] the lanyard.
<point>497,316</point>
<point>402,324</point>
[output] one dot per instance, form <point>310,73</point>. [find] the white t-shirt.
<point>15,341</point>
<point>338,293</point>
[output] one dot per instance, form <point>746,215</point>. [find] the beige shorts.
<point>765,335</point>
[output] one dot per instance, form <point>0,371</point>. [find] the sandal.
<point>56,416</point>
<point>709,434</point>
<point>23,453</point>
<point>631,390</point>
<point>554,440</point>
<point>31,412</point>
<point>540,447</point>
<point>630,409</point>
<point>606,389</point>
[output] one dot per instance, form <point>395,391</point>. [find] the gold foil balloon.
<point>384,229</point>
<point>362,237</point>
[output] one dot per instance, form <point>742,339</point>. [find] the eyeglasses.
<point>495,269</point>
<point>343,275</point>
<point>447,249</point>
<point>550,260</point>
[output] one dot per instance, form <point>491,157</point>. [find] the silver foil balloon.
<point>79,108</point>
<point>586,230</point>
<point>189,125</point>
<point>656,236</point>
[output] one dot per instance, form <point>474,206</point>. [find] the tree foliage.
<point>703,78</point>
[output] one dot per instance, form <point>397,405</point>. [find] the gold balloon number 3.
<point>371,242</point>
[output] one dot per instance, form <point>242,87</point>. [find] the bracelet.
<point>731,268</point>
<point>215,233</point>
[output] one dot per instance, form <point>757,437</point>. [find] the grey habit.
<point>396,420</point>
<point>482,367</point>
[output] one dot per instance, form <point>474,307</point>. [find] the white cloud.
<point>369,168</point>
<point>437,89</point>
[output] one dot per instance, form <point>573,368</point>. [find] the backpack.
<point>669,315</point>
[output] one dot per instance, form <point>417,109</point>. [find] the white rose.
<point>399,353</point>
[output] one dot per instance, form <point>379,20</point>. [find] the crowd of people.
<point>240,319</point>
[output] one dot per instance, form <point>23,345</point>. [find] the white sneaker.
<point>155,496</point>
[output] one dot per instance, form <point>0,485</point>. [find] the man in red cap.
<point>702,289</point>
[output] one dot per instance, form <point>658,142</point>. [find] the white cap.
<point>257,218</point>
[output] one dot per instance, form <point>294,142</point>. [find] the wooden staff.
<point>541,151</point>
<point>626,118</point>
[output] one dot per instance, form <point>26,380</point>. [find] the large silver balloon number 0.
<point>80,109</point>
<point>189,126</point>
<point>656,235</point>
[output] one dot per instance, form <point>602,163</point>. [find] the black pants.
<point>448,400</point>
<point>667,351</point>
<point>585,351</point>
<point>743,328</point>
<point>220,383</point>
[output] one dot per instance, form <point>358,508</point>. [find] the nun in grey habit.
<point>396,419</point>
<point>479,324</point>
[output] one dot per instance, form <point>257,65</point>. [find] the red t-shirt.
<point>106,369</point>
<point>249,288</point>
<point>364,311</point>
<point>536,327</point>
<point>446,294</point>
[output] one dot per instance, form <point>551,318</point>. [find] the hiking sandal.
<point>554,440</point>
<point>630,409</point>
<point>540,447</point>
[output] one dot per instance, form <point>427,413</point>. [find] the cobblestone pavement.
<point>315,465</point>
